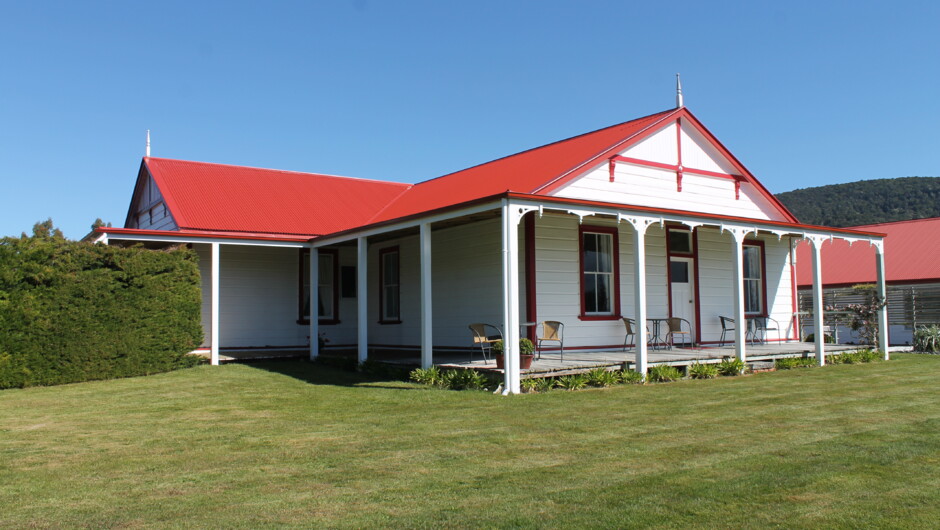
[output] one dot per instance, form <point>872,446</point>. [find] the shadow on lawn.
<point>319,373</point>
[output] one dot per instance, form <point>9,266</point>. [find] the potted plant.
<point>525,353</point>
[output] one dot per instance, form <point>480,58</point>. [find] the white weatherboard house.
<point>648,218</point>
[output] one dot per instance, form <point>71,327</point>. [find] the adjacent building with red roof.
<point>912,273</point>
<point>646,220</point>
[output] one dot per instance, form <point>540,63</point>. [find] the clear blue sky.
<point>804,93</point>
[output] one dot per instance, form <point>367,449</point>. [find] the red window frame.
<point>382,253</point>
<point>615,250</point>
<point>763,276</point>
<point>303,273</point>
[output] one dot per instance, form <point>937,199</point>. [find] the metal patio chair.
<point>727,324</point>
<point>675,327</point>
<point>484,336</point>
<point>629,326</point>
<point>552,331</point>
<point>762,326</point>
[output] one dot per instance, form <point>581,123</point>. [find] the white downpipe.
<point>882,295</point>
<point>362,299</point>
<point>740,323</point>
<point>214,317</point>
<point>510,249</point>
<point>314,302</point>
<point>639,290</point>
<point>427,343</point>
<point>820,336</point>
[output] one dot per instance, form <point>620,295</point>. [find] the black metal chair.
<point>761,327</point>
<point>727,324</point>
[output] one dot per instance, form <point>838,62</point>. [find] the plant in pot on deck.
<point>525,353</point>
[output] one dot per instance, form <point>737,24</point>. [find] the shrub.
<point>702,371</point>
<point>631,377</point>
<point>426,376</point>
<point>73,311</point>
<point>787,363</point>
<point>927,339</point>
<point>844,358</point>
<point>529,385</point>
<point>545,384</point>
<point>602,377</point>
<point>870,356</point>
<point>463,380</point>
<point>795,362</point>
<point>572,382</point>
<point>526,347</point>
<point>663,373</point>
<point>731,366</point>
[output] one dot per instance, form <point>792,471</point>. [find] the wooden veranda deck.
<point>551,364</point>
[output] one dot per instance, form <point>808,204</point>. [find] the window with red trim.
<point>600,267</point>
<point>755,282</point>
<point>389,286</point>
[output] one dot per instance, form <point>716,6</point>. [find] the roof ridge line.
<point>665,113</point>
<point>542,146</point>
<point>900,221</point>
<point>390,202</point>
<point>327,175</point>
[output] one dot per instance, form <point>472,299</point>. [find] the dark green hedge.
<point>73,311</point>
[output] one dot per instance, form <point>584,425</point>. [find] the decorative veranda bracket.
<point>779,233</point>
<point>640,223</point>
<point>581,214</point>
<point>691,225</point>
<point>518,211</point>
<point>739,233</point>
<point>817,239</point>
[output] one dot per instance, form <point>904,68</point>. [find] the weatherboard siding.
<point>258,303</point>
<point>466,263</point>
<point>151,212</point>
<point>260,286</point>
<point>558,281</point>
<point>654,187</point>
<point>716,283</point>
<point>657,188</point>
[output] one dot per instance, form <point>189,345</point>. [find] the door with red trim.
<point>682,289</point>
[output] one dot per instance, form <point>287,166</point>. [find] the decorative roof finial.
<point>679,103</point>
<point>148,144</point>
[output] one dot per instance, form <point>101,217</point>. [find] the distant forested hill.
<point>866,202</point>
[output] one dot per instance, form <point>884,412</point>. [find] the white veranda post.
<point>510,243</point>
<point>640,224</point>
<point>882,295</point>
<point>818,316</point>
<point>314,304</point>
<point>362,299</point>
<point>214,317</point>
<point>740,323</point>
<point>426,315</point>
<point>512,214</point>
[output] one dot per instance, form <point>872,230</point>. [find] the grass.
<point>293,443</point>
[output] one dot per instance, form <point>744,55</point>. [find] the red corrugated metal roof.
<point>912,254</point>
<point>522,172</point>
<point>217,197</point>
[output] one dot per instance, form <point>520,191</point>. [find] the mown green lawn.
<point>293,443</point>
